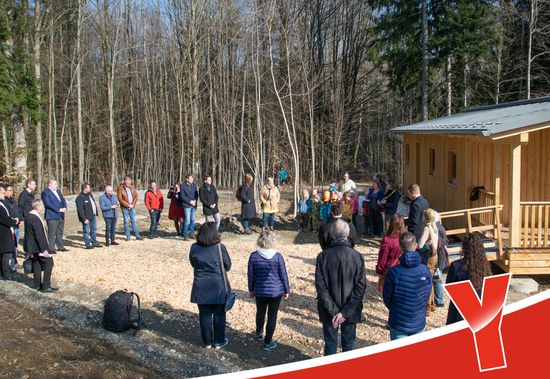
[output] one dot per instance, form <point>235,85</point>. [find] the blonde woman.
<point>269,197</point>
<point>427,247</point>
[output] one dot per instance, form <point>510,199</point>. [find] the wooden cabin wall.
<point>474,167</point>
<point>535,167</point>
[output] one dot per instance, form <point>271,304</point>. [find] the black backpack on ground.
<point>117,314</point>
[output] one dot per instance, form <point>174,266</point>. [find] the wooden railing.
<point>486,199</point>
<point>535,224</point>
<point>467,216</point>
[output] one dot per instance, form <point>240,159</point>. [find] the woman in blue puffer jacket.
<point>268,283</point>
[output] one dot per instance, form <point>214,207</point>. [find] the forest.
<point>91,90</point>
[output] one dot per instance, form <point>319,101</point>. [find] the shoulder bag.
<point>231,296</point>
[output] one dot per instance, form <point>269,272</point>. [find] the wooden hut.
<point>504,151</point>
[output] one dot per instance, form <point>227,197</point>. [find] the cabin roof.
<point>489,120</point>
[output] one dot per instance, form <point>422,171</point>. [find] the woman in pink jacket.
<point>390,251</point>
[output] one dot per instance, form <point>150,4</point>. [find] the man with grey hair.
<point>340,282</point>
<point>55,206</point>
<point>108,203</point>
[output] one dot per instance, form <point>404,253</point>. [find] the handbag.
<point>231,296</point>
<point>27,266</point>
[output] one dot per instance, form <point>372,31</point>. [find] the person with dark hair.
<point>374,196</point>
<point>248,203</point>
<point>37,246</point>
<point>154,202</point>
<point>175,212</point>
<point>268,283</point>
<point>389,253</point>
<point>128,197</point>
<point>473,266</point>
<point>188,196</point>
<point>325,239</point>
<point>14,211</point>
<point>207,256</point>
<point>407,288</point>
<point>390,201</point>
<point>108,203</point>
<point>25,199</point>
<point>417,207</point>
<point>208,196</point>
<point>56,207</point>
<point>87,211</point>
<point>7,223</point>
<point>340,282</point>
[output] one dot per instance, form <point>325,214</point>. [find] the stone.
<point>524,285</point>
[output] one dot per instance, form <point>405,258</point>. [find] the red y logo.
<point>483,317</point>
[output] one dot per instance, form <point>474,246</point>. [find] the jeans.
<point>110,227</point>
<point>129,215</point>
<point>89,230</point>
<point>16,234</point>
<point>438,287</point>
<point>268,218</point>
<point>155,217</point>
<point>217,218</point>
<point>212,315</point>
<point>330,334</point>
<point>271,305</point>
<point>246,223</point>
<point>189,225</point>
<point>397,334</point>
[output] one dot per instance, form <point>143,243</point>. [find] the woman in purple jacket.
<point>268,283</point>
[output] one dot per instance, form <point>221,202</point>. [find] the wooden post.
<point>515,189</point>
<point>497,157</point>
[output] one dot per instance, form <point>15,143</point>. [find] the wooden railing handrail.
<point>534,202</point>
<point>487,192</point>
<point>462,212</point>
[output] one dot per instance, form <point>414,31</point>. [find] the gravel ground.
<point>159,271</point>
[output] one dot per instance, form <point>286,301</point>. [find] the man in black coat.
<point>25,199</point>
<point>340,282</point>
<point>209,199</point>
<point>325,239</point>
<point>87,212</point>
<point>13,209</point>
<point>7,244</point>
<point>37,246</point>
<point>417,207</point>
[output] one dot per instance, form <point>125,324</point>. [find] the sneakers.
<point>271,228</point>
<point>258,336</point>
<point>114,243</point>
<point>270,346</point>
<point>49,289</point>
<point>208,346</point>
<point>219,346</point>
<point>247,231</point>
<point>139,239</point>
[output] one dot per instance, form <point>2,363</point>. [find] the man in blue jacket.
<point>407,288</point>
<point>56,206</point>
<point>108,203</point>
<point>188,196</point>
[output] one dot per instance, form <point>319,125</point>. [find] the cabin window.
<point>451,168</point>
<point>407,154</point>
<point>431,160</point>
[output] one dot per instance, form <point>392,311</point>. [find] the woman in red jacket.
<point>390,251</point>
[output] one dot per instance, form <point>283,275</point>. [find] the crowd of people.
<point>411,263</point>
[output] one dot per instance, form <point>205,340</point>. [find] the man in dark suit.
<point>417,207</point>
<point>340,281</point>
<point>7,223</point>
<point>37,246</point>
<point>25,198</point>
<point>56,206</point>
<point>87,212</point>
<point>325,239</point>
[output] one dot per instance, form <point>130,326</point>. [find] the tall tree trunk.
<point>37,77</point>
<point>81,168</point>
<point>532,24</point>
<point>6,145</point>
<point>449,86</point>
<point>424,60</point>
